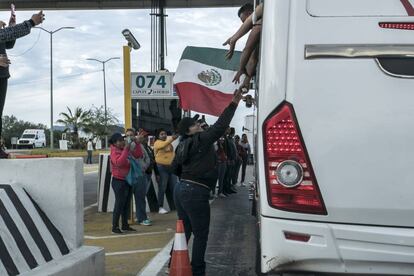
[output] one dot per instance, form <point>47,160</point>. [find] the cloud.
<point>97,34</point>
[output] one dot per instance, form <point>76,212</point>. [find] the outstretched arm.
<point>244,28</point>
<point>251,44</point>
<point>19,30</point>
<point>217,130</point>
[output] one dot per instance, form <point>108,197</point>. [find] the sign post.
<point>127,87</point>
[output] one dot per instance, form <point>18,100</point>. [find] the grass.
<point>62,153</point>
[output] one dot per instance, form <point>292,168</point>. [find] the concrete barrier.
<point>41,218</point>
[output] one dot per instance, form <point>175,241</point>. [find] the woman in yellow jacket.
<point>164,155</point>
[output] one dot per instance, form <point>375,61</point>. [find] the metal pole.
<point>127,87</point>
<point>51,90</point>
<point>162,35</point>
<point>51,78</point>
<point>106,113</point>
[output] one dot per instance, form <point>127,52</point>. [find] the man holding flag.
<point>194,163</point>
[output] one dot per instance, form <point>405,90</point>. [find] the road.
<point>90,184</point>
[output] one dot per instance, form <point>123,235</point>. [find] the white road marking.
<point>126,235</point>
<point>90,206</point>
<point>132,252</point>
<point>158,262</point>
<point>91,172</point>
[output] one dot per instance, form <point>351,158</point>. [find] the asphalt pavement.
<point>90,186</point>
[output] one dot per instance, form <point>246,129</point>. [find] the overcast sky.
<point>97,34</point>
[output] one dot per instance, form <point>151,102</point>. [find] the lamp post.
<point>51,77</point>
<point>106,114</point>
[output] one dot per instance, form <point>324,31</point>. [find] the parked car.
<point>32,138</point>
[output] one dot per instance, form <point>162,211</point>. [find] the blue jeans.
<point>140,192</point>
<point>121,208</point>
<point>148,177</point>
<point>167,179</point>
<point>89,159</point>
<point>193,208</point>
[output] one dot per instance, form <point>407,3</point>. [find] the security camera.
<point>132,42</point>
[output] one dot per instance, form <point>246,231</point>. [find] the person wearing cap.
<point>120,165</point>
<point>197,178</point>
<point>164,155</point>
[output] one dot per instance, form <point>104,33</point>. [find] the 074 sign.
<point>152,85</point>
<point>148,81</point>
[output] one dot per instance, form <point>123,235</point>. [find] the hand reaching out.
<point>232,43</point>
<point>245,86</point>
<point>12,21</point>
<point>38,18</point>
<point>239,73</point>
<point>238,95</point>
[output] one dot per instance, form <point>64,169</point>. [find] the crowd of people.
<point>210,168</point>
<point>205,164</point>
<point>131,151</point>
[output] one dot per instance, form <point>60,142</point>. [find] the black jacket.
<point>8,37</point>
<point>202,158</point>
<point>4,71</point>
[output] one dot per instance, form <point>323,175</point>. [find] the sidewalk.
<point>127,254</point>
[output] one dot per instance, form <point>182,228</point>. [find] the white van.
<point>32,138</point>
<point>336,137</point>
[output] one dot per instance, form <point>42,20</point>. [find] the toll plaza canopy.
<point>115,4</point>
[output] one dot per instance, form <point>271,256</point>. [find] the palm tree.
<point>75,121</point>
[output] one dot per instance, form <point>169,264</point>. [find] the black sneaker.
<point>128,229</point>
<point>116,231</point>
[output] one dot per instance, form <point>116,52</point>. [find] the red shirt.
<point>119,160</point>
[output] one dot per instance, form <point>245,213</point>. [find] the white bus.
<point>335,182</point>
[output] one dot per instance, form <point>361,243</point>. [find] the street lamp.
<point>106,114</point>
<point>51,77</point>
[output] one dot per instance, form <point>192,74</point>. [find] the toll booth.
<point>152,114</point>
<point>154,102</point>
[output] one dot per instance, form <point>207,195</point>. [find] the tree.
<point>12,127</point>
<point>74,122</point>
<point>97,122</point>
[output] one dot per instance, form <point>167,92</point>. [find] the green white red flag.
<point>203,79</point>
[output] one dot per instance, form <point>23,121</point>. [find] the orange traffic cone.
<point>180,263</point>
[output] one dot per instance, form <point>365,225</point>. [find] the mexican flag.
<point>203,79</point>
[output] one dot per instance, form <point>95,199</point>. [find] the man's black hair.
<point>248,7</point>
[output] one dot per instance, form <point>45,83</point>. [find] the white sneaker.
<point>242,184</point>
<point>162,211</point>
